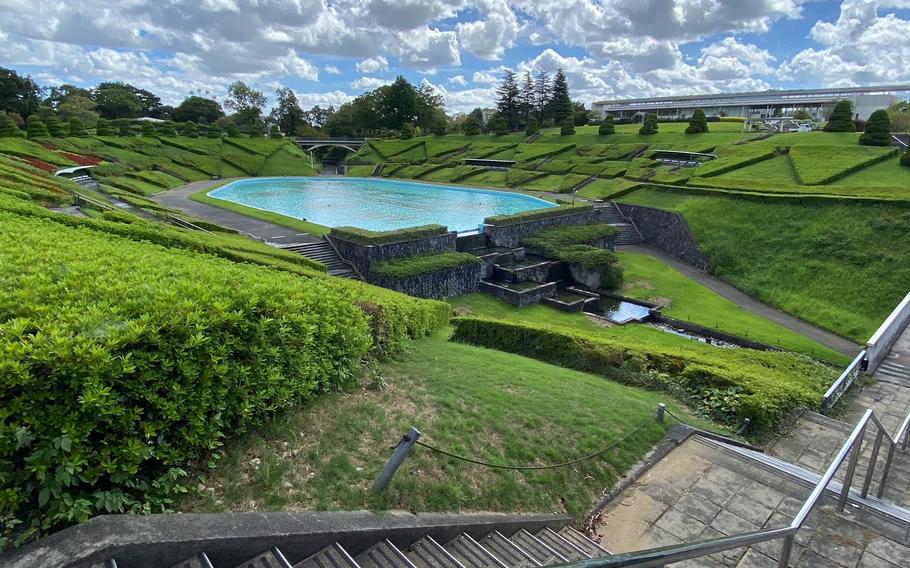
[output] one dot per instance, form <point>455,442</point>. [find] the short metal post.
<point>785,550</point>
<point>881,484</point>
<point>661,411</point>
<point>401,451</point>
<point>851,467</point>
<point>872,459</point>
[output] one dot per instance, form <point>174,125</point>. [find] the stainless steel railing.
<point>846,379</point>
<point>850,452</point>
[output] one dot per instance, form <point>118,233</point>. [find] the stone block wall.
<point>511,235</point>
<point>437,285</point>
<point>667,231</point>
<point>365,256</point>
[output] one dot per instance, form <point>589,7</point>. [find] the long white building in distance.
<point>758,104</point>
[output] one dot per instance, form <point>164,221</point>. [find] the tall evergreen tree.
<point>77,128</point>
<point>542,94</point>
<point>498,125</point>
<point>606,126</point>
<point>841,119</point>
<point>649,126</point>
<point>698,124</point>
<point>532,127</point>
<point>509,105</point>
<point>878,130</point>
<point>561,102</point>
<point>471,127</point>
<point>148,130</point>
<point>568,126</point>
<point>36,128</point>
<point>526,99</point>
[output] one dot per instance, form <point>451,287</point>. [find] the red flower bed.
<point>41,165</point>
<point>82,160</point>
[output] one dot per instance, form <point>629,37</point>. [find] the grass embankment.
<point>647,278</point>
<point>202,196</point>
<point>476,402</point>
<point>843,266</point>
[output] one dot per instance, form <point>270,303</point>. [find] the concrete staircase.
<point>323,252</point>
<point>611,215</point>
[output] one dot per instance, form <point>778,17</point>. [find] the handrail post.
<point>785,550</point>
<point>872,459</point>
<point>401,452</point>
<point>851,468</point>
<point>887,470</point>
<point>661,411</point>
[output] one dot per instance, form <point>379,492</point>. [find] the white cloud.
<point>369,83</point>
<point>330,98</point>
<point>458,80</point>
<point>331,70</point>
<point>487,77</point>
<point>489,38</point>
<point>373,64</point>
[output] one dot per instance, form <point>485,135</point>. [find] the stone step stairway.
<point>611,215</point>
<point>323,252</point>
<point>494,550</point>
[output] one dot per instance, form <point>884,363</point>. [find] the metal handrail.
<point>343,259</point>
<point>844,381</point>
<point>851,448</point>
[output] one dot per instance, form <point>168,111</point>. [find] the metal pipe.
<point>870,469</point>
<point>401,452</point>
<point>851,465</point>
<point>786,550</point>
<point>886,471</point>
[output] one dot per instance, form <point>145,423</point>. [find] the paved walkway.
<point>276,234</point>
<point>743,300</point>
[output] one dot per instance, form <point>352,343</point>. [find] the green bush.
<point>841,119</point>
<point>568,235</point>
<point>698,124</point>
<point>103,128</point>
<point>77,128</point>
<point>167,129</point>
<point>422,264</point>
<point>367,237</point>
<point>407,131</point>
<point>123,127</point>
<point>535,214</point>
<point>606,126</point>
<point>36,128</point>
<point>532,127</point>
<point>905,159</point>
<point>762,386</point>
<point>649,126</point>
<point>148,129</point>
<point>878,130</point>
<point>189,130</point>
<point>8,128</point>
<point>584,255</point>
<point>568,127</point>
<point>499,126</point>
<point>55,128</point>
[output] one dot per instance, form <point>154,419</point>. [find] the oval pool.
<point>376,204</point>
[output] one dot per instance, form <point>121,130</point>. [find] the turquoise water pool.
<point>376,204</point>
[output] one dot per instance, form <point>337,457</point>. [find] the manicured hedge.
<point>586,256</point>
<point>559,237</point>
<point>570,181</point>
<point>422,264</point>
<point>538,214</point>
<point>727,384</point>
<point>367,237</point>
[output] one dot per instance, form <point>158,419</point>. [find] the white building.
<point>758,104</point>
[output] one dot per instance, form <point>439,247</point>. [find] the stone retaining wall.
<point>667,231</point>
<point>511,235</point>
<point>437,285</point>
<point>365,256</point>
<point>520,298</point>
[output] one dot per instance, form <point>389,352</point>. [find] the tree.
<point>526,99</point>
<point>274,131</point>
<point>54,127</point>
<point>8,128</point>
<point>498,125</point>
<point>103,128</point>
<point>542,95</point>
<point>397,103</point>
<point>905,159</point>
<point>899,113</point>
<point>58,95</point>
<point>287,112</point>
<point>532,128</point>
<point>211,130</point>
<point>167,129</point>
<point>36,128</point>
<point>440,128</point>
<point>123,127</point>
<point>606,126</point>
<point>841,119</point>
<point>698,124</point>
<point>78,106</point>
<point>148,129</point>
<point>471,127</point>
<point>233,131</point>
<point>318,116</point>
<point>189,130</point>
<point>19,94</point>
<point>407,131</point>
<point>77,128</point>
<point>193,108</point>
<point>430,107</point>
<point>508,105</point>
<point>878,130</point>
<point>117,100</point>
<point>568,126</point>
<point>801,114</point>
<point>649,126</point>
<point>561,102</point>
<point>579,113</point>
<point>246,103</point>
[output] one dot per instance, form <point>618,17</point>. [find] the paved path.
<point>743,300</point>
<point>276,234</point>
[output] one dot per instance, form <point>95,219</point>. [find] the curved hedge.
<point>367,237</point>
<point>422,264</point>
<point>534,214</point>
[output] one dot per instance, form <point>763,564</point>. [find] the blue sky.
<point>329,51</point>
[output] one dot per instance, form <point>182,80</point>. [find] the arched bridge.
<point>310,144</point>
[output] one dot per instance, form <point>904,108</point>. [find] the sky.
<point>329,51</point>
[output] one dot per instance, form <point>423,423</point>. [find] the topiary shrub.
<point>878,130</point>
<point>55,128</point>
<point>470,127</point>
<point>533,127</point>
<point>167,129</point>
<point>841,119</point>
<point>905,159</point>
<point>36,128</point>
<point>103,128</point>
<point>499,126</point>
<point>213,131</point>
<point>76,128</point>
<point>148,129</point>
<point>8,128</point>
<point>649,126</point>
<point>568,127</point>
<point>698,124</point>
<point>407,131</point>
<point>606,126</point>
<point>189,130</point>
<point>440,128</point>
<point>275,132</point>
<point>123,127</point>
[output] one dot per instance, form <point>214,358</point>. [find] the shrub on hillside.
<point>538,214</point>
<point>189,130</point>
<point>367,237</point>
<point>440,128</point>
<point>905,159</point>
<point>36,128</point>
<point>499,126</point>
<point>123,127</point>
<point>103,128</point>
<point>233,131</point>
<point>568,235</point>
<point>649,126</point>
<point>606,126</point>
<point>841,119</point>
<point>167,129</point>
<point>698,124</point>
<point>568,127</point>
<point>274,131</point>
<point>470,127</point>
<point>407,131</point>
<point>8,128</point>
<point>878,130</point>
<point>77,128</point>
<point>148,129</point>
<point>55,128</point>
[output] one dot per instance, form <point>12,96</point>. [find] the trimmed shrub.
<point>905,159</point>
<point>422,264</point>
<point>55,128</point>
<point>8,128</point>
<point>407,131</point>
<point>535,214</point>
<point>36,128</point>
<point>367,237</point>
<point>559,237</point>
<point>148,129</point>
<point>77,128</point>
<point>499,126</point>
<point>189,130</point>
<point>606,126</point>
<point>103,128</point>
<point>274,131</point>
<point>168,129</point>
<point>584,255</point>
<point>233,131</point>
<point>568,127</point>
<point>878,130</point>
<point>470,127</point>
<point>440,128</point>
<point>727,385</point>
<point>533,127</point>
<point>123,127</point>
<point>649,126</point>
<point>698,124</point>
<point>841,119</point>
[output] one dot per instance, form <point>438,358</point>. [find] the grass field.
<point>843,266</point>
<point>202,196</point>
<point>481,403</point>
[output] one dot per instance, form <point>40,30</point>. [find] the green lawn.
<point>606,188</point>
<point>283,220</point>
<point>481,403</point>
<point>841,265</point>
<point>888,174</point>
<point>682,298</point>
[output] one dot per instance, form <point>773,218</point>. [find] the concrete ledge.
<point>154,541</point>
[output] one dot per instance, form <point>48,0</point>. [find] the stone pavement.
<point>702,491</point>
